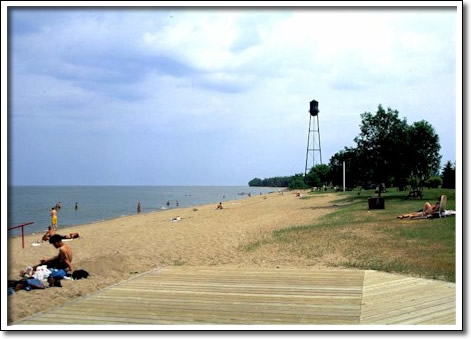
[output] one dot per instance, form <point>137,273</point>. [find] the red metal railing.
<point>22,231</point>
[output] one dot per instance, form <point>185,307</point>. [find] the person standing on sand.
<point>54,218</point>
<point>139,207</point>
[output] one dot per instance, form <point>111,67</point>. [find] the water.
<point>96,203</point>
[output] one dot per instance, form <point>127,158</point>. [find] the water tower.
<point>313,152</point>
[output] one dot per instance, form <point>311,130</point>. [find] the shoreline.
<point>67,227</point>
<point>153,210</point>
<point>117,249</point>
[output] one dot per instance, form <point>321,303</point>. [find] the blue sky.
<point>174,96</point>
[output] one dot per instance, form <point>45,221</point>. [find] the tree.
<point>433,182</point>
<point>448,175</point>
<point>318,175</point>
<point>380,146</point>
<point>423,151</point>
<point>352,168</point>
<point>297,181</point>
<point>255,182</point>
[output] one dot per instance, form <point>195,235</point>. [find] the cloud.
<point>197,83</point>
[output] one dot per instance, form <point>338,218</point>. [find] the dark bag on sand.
<point>54,282</point>
<point>80,274</point>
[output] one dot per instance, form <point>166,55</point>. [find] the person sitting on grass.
<point>428,210</point>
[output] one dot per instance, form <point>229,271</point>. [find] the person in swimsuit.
<point>429,209</point>
<point>50,232</point>
<point>54,218</point>
<point>63,260</point>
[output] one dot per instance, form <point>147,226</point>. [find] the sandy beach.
<point>115,250</point>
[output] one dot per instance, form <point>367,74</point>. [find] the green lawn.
<point>353,236</point>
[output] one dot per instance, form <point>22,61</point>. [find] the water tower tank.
<point>314,108</point>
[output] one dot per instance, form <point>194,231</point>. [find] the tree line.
<point>388,151</point>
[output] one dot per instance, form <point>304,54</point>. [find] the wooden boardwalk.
<point>189,295</point>
<point>395,299</point>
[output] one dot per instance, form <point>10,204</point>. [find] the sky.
<point>201,96</point>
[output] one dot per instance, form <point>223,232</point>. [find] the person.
<point>219,206</point>
<point>139,207</point>
<point>76,205</point>
<point>50,232</point>
<point>58,206</point>
<point>54,218</point>
<point>73,235</point>
<point>63,260</point>
<point>177,203</point>
<point>168,203</point>
<point>429,209</point>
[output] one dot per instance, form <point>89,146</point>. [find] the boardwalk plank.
<point>393,299</point>
<point>187,295</point>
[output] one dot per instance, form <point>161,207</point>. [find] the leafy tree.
<point>382,146</point>
<point>423,151</point>
<point>318,175</point>
<point>352,168</point>
<point>255,182</point>
<point>271,182</point>
<point>297,182</point>
<point>433,182</point>
<point>448,175</point>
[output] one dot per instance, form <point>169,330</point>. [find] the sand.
<point>115,250</point>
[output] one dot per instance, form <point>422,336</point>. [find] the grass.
<point>353,236</point>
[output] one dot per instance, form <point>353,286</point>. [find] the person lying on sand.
<point>428,210</point>
<point>50,232</point>
<point>74,235</point>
